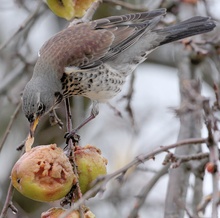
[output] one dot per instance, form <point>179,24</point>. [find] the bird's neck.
<point>47,76</point>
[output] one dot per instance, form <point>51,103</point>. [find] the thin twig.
<point>23,25</point>
<point>70,142</point>
<point>146,169</point>
<point>7,201</point>
<point>179,159</point>
<point>129,96</point>
<point>88,15</point>
<point>100,183</point>
<point>205,201</point>
<point>213,139</point>
<point>145,191</point>
<point>91,11</point>
<point>127,5</point>
<point>11,77</point>
<point>71,147</point>
<point>7,131</point>
<point>216,105</point>
<point>116,111</point>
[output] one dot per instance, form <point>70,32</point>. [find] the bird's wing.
<point>88,45</point>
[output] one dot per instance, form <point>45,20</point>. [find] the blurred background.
<point>140,119</point>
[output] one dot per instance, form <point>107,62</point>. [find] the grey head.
<point>38,99</point>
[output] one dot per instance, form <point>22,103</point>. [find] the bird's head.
<point>37,101</point>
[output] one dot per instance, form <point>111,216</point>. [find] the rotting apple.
<point>90,164</point>
<point>56,212</point>
<point>43,174</point>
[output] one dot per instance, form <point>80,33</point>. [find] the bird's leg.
<point>93,114</point>
<point>54,119</point>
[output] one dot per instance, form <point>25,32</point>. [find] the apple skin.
<point>56,212</point>
<point>90,164</point>
<point>69,9</point>
<point>43,174</point>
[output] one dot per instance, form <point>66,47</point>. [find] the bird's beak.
<point>33,126</point>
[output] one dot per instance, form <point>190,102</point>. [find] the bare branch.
<point>12,76</point>
<point>7,131</point>
<point>190,114</point>
<point>71,144</point>
<point>205,201</point>
<point>116,111</point>
<point>145,191</point>
<point>127,5</point>
<point>128,97</point>
<point>28,20</point>
<point>7,201</point>
<point>88,15</point>
<point>213,139</point>
<point>179,159</point>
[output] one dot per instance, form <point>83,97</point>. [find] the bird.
<point>93,59</point>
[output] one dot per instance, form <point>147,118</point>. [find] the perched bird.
<point>93,59</point>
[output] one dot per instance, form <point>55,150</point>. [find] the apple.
<point>43,174</point>
<point>90,164</point>
<point>56,212</point>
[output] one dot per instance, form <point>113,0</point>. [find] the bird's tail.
<point>190,27</point>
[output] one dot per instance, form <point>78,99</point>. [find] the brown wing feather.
<point>88,44</point>
<point>77,46</point>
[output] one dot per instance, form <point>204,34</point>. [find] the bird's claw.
<point>73,136</point>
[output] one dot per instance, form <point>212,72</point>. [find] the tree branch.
<point>7,201</point>
<point>100,183</point>
<point>145,191</point>
<point>7,131</point>
<point>129,6</point>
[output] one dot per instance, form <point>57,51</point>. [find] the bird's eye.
<point>40,107</point>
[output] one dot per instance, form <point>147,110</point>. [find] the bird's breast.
<point>99,84</point>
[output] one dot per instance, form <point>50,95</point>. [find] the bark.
<point>190,126</point>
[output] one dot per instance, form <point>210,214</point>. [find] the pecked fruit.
<point>90,165</point>
<point>57,212</point>
<point>69,9</point>
<point>81,6</point>
<point>43,174</point>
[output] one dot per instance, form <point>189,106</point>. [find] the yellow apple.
<point>90,165</point>
<point>69,9</point>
